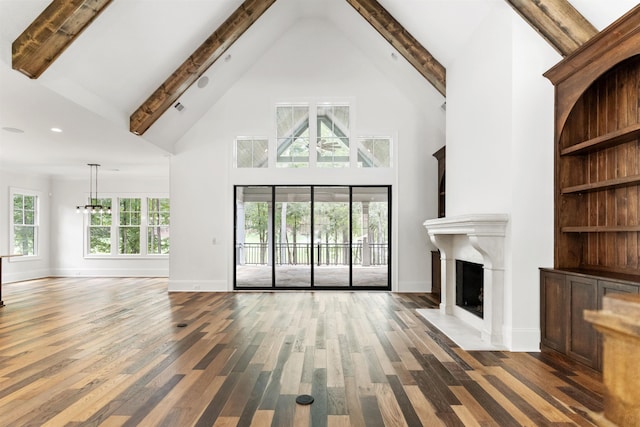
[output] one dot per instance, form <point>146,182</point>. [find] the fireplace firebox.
<point>470,287</point>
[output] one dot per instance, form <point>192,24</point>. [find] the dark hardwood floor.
<point>88,352</point>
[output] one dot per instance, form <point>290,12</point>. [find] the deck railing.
<point>323,253</point>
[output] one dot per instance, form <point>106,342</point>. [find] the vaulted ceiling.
<point>105,67</point>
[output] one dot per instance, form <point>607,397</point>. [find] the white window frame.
<point>88,227</point>
<point>115,226</point>
<point>253,139</point>
<point>312,132</point>
<point>377,136</point>
<point>149,227</point>
<point>314,137</point>
<point>36,243</point>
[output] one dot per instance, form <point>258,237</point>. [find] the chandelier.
<point>93,206</point>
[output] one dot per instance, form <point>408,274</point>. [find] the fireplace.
<point>480,238</point>
<point>470,287</point>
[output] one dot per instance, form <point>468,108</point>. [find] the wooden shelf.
<point>604,141</point>
<point>603,185</point>
<point>601,229</point>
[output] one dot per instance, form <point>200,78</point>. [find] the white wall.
<point>500,153</point>
<point>312,61</point>
<point>25,268</point>
<point>67,254</point>
<point>531,243</point>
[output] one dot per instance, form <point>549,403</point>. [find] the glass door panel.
<point>253,231</point>
<point>293,237</point>
<point>332,239</point>
<point>370,236</point>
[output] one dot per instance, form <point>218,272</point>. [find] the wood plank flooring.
<point>108,352</point>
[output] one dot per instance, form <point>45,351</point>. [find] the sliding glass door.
<point>293,237</point>
<point>370,236</point>
<point>331,234</point>
<point>312,237</point>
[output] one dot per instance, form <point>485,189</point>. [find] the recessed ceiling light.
<point>227,58</point>
<point>394,55</point>
<point>56,130</point>
<point>12,130</point>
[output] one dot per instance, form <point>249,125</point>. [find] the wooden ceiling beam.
<point>196,64</point>
<point>557,21</point>
<point>51,33</point>
<point>410,48</point>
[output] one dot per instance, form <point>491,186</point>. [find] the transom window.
<point>314,135</point>
<point>292,124</point>
<point>252,152</point>
<point>374,152</point>
<point>332,143</point>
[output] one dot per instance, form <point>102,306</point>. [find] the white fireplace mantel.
<point>486,234</point>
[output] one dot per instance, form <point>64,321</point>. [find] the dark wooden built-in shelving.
<point>601,229</point>
<point>597,187</point>
<point>614,138</point>
<point>608,184</point>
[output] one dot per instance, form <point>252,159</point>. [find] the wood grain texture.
<point>407,45</point>
<point>99,351</point>
<point>197,63</point>
<point>51,33</point>
<point>561,25</point>
<point>573,75</point>
<point>598,175</point>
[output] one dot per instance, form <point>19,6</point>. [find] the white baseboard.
<point>25,275</point>
<point>199,286</point>
<point>110,272</point>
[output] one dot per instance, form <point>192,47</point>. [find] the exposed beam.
<point>405,43</point>
<point>51,33</point>
<point>557,21</point>
<point>196,64</point>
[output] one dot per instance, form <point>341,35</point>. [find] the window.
<point>157,226</point>
<point>332,143</point>
<point>99,230</point>
<point>374,152</point>
<point>292,122</point>
<point>252,152</point>
<point>129,229</point>
<point>24,230</point>
<point>316,134</point>
<point>136,227</point>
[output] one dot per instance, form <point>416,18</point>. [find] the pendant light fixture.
<point>93,206</point>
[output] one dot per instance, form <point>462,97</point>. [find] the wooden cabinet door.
<point>553,311</point>
<point>606,287</point>
<point>583,338</point>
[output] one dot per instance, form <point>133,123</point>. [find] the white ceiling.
<point>131,48</point>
